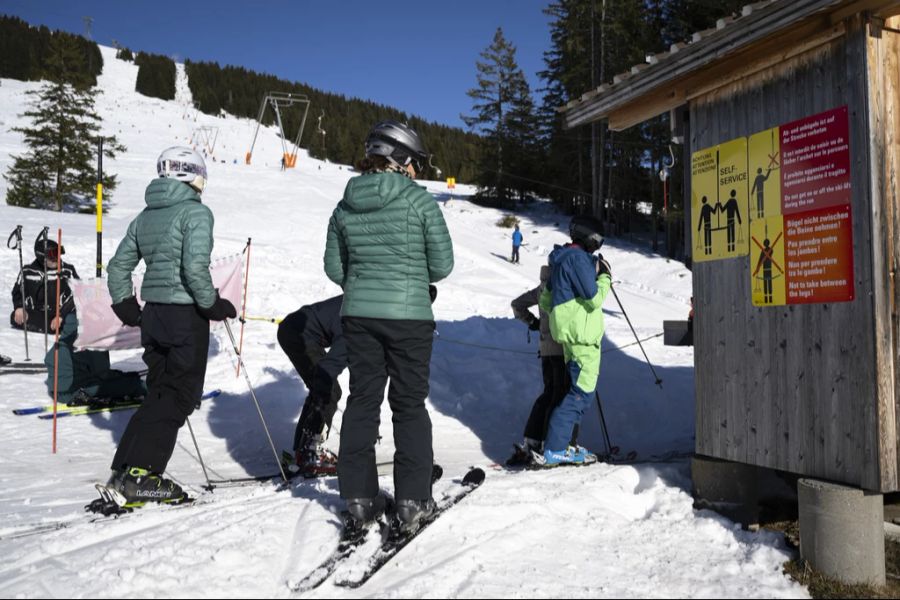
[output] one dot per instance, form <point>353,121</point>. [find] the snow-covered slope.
<point>611,531</point>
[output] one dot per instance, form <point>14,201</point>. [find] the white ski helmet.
<point>183,164</point>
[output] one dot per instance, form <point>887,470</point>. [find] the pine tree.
<point>504,116</point>
<point>58,169</point>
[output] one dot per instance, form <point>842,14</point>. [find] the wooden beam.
<point>869,6</point>
<point>748,62</point>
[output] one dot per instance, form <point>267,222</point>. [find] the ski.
<point>397,541</point>
<point>346,548</point>
<point>89,409</point>
<point>33,366</point>
<point>21,371</point>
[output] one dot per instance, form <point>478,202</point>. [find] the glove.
<point>534,324</point>
<point>432,291</point>
<point>128,311</point>
<point>603,267</point>
<point>220,310</point>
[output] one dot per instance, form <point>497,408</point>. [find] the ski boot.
<point>139,486</point>
<point>522,453</point>
<point>411,513</point>
<point>587,457</point>
<point>313,460</point>
<point>360,513</point>
<point>550,459</point>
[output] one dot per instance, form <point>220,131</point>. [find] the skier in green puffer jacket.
<point>174,238</point>
<point>387,241</point>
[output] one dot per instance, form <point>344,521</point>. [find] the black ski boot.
<point>360,513</point>
<point>411,513</point>
<point>313,460</point>
<point>139,486</point>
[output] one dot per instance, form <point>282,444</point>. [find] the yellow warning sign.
<point>767,264</point>
<point>764,156</point>
<point>719,201</point>
<point>451,182</point>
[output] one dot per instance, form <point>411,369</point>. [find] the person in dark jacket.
<point>387,241</point>
<point>314,341</point>
<point>29,311</point>
<point>174,238</point>
<point>553,370</point>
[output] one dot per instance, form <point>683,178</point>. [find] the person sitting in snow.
<point>174,237</point>
<point>579,283</point>
<point>29,311</point>
<point>553,369</point>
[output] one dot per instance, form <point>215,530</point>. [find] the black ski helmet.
<point>398,142</point>
<point>586,231</point>
<point>52,248</point>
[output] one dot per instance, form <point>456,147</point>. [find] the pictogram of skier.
<point>765,262</point>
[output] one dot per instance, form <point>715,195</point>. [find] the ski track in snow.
<point>599,531</point>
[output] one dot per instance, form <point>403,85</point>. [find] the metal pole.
<point>603,423</point>
<point>100,208</point>
<point>209,485</point>
<point>255,401</point>
<point>622,308</point>
<point>44,233</point>
<point>244,305</point>
<point>17,234</point>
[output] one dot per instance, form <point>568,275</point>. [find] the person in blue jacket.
<point>579,283</point>
<point>517,241</point>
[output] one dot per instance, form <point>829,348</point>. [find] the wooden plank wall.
<point>790,388</point>
<point>884,122</point>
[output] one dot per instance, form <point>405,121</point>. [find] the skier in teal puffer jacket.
<point>174,238</point>
<point>387,241</point>
<point>579,283</point>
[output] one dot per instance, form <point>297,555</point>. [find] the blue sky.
<point>418,57</point>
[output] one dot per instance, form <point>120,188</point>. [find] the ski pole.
<point>609,447</point>
<point>209,485</point>
<point>46,307</point>
<point>244,305</point>
<point>622,308</point>
<point>255,401</point>
<point>56,345</point>
<point>17,233</point>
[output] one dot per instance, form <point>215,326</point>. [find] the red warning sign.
<point>819,256</point>
<point>815,169</point>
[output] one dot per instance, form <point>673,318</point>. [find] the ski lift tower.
<point>278,101</point>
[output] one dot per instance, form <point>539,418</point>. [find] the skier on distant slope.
<point>579,283</point>
<point>174,237</point>
<point>387,240</point>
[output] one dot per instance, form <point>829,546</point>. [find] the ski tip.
<point>475,476</point>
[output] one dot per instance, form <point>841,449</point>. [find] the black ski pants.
<point>382,349</point>
<point>305,355</point>
<point>556,385</point>
<point>176,343</point>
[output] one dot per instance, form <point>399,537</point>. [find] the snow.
<point>601,531</point>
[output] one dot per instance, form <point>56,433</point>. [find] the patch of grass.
<point>821,586</point>
<point>508,221</point>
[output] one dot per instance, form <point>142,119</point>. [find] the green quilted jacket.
<point>174,237</point>
<point>387,240</point>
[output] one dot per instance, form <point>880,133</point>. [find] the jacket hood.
<point>163,192</point>
<point>373,191</point>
